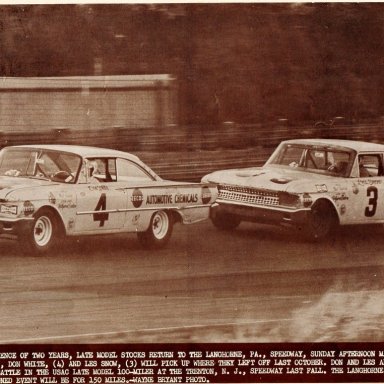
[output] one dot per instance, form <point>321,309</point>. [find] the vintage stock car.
<point>49,191</point>
<point>313,185</point>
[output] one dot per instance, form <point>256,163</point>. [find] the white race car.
<point>313,185</point>
<point>49,191</point>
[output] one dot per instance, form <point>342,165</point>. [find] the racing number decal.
<point>372,194</point>
<point>102,217</point>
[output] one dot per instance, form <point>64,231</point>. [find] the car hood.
<point>271,178</point>
<point>9,184</point>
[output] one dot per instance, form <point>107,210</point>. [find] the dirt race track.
<point>256,284</point>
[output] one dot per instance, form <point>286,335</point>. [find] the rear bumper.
<point>15,227</point>
<point>267,215</point>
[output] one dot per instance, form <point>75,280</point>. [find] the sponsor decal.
<point>321,188</point>
<point>186,198</point>
<point>52,198</point>
<point>65,195</point>
<point>159,199</point>
<point>71,223</point>
<point>28,208</point>
<point>137,198</point>
<point>206,195</point>
<point>339,187</point>
<point>66,200</point>
<point>98,187</point>
<point>135,220</point>
<point>340,196</point>
<point>369,181</point>
<point>67,203</point>
<point>8,209</point>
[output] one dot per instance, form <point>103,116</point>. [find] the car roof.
<point>84,151</point>
<point>358,146</point>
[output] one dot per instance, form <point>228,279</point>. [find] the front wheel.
<point>159,231</point>
<point>322,221</point>
<point>44,234</point>
<point>225,221</point>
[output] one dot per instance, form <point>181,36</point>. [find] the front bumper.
<point>15,227</point>
<point>262,214</point>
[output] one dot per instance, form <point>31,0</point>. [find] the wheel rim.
<point>42,231</point>
<point>160,225</point>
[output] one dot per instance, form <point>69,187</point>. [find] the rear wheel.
<point>159,231</point>
<point>322,221</point>
<point>225,221</point>
<point>45,233</point>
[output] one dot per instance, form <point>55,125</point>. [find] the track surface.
<point>207,285</point>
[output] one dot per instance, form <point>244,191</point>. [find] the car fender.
<point>337,208</point>
<point>61,203</point>
<point>56,212</point>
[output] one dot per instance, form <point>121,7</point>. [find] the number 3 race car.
<point>313,185</point>
<point>48,191</point>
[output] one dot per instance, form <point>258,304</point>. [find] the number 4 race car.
<point>313,185</point>
<point>48,191</point>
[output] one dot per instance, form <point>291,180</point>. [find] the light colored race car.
<point>49,191</point>
<point>313,185</point>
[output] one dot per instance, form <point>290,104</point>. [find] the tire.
<point>225,221</point>
<point>322,221</point>
<point>45,234</point>
<point>159,231</point>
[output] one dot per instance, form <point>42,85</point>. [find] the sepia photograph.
<point>196,175</point>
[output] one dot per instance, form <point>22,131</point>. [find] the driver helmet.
<point>92,167</point>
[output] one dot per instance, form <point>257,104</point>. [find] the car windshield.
<point>39,163</point>
<point>318,159</point>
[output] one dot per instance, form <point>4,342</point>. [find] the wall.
<point>90,102</point>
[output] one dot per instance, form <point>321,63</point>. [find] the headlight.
<point>289,199</point>
<point>8,209</point>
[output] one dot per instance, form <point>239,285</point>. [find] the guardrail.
<point>187,153</point>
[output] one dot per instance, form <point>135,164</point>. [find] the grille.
<point>248,195</point>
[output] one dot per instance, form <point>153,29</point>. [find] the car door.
<point>366,200</point>
<point>101,199</point>
<point>137,182</point>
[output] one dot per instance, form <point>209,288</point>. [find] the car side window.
<point>370,165</point>
<point>129,171</point>
<point>102,170</point>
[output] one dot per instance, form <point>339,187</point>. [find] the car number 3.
<point>372,202</point>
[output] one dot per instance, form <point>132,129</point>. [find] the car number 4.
<point>372,201</point>
<point>101,217</point>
